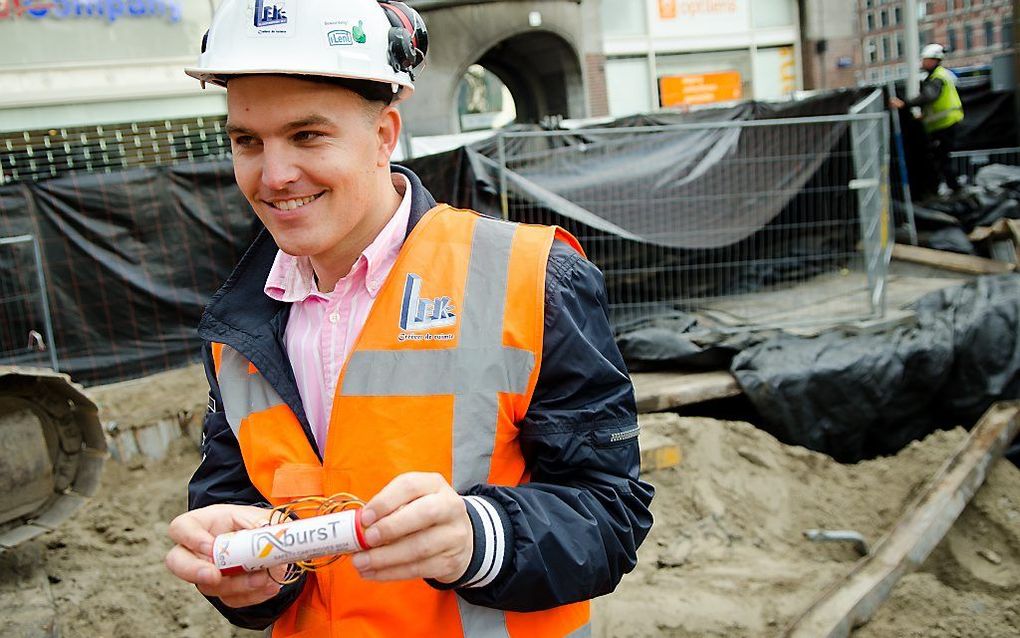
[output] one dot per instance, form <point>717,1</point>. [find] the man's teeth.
<point>291,204</point>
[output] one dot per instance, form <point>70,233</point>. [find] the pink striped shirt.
<point>323,326</point>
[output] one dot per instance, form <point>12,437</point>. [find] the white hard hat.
<point>374,40</point>
<point>934,51</point>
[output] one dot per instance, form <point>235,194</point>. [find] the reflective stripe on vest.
<point>477,384</point>
<point>473,372</point>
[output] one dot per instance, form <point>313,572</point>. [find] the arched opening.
<point>483,101</point>
<point>540,71</point>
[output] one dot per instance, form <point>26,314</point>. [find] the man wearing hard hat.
<point>941,110</point>
<point>456,371</point>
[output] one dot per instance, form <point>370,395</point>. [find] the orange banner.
<point>705,88</point>
<point>667,9</point>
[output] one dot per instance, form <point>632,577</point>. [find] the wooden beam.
<point>853,600</point>
<point>951,261</point>
<point>657,391</point>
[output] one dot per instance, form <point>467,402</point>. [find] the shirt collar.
<point>292,279</point>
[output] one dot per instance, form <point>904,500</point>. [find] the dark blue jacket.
<point>574,529</point>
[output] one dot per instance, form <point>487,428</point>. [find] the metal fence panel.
<point>717,217</point>
<point>968,163</point>
<point>26,330</point>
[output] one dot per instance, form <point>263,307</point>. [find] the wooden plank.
<point>853,601</point>
<point>951,261</point>
<point>658,452</point>
<point>657,391</point>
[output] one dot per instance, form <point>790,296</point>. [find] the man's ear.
<point>388,126</point>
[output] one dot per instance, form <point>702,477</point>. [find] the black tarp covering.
<point>742,191</point>
<point>855,397</point>
<point>130,258</point>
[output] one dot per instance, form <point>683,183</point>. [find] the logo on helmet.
<point>340,37</point>
<point>269,15</point>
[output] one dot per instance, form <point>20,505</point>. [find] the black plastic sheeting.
<point>130,258</point>
<point>944,224</point>
<point>805,177</point>
<point>856,397</point>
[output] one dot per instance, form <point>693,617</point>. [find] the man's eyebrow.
<point>233,129</point>
<point>310,120</point>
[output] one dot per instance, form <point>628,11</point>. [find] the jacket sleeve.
<point>222,478</point>
<point>931,89</point>
<point>573,531</point>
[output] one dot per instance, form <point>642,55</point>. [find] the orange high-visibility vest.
<point>442,372</point>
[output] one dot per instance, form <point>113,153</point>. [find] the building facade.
<point>675,53</point>
<point>974,33</point>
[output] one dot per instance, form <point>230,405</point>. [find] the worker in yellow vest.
<point>457,372</point>
<point>941,110</point>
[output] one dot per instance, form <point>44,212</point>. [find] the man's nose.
<point>279,168</point>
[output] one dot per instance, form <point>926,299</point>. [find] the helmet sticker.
<point>270,18</point>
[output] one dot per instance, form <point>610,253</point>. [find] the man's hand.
<point>191,558</point>
<point>418,527</point>
<point>896,103</point>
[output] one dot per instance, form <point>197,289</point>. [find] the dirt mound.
<point>727,555</point>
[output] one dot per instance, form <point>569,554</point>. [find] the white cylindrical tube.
<point>250,550</point>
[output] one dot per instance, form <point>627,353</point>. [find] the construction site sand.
<point>725,558</point>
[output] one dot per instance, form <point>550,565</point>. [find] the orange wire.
<point>311,506</point>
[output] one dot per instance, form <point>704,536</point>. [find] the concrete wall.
<point>829,33</point>
<point>545,67</point>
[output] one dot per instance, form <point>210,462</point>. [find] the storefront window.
<point>710,77</point>
<point>623,18</point>
<point>775,13</point>
<point>629,86</point>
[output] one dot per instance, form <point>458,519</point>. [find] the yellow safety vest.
<point>947,110</point>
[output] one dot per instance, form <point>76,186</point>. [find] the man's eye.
<point>306,136</point>
<point>244,141</point>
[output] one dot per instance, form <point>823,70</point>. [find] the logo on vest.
<point>419,315</point>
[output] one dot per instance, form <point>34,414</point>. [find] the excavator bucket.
<point>52,451</point>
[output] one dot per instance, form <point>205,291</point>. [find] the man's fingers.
<point>192,532</point>
<point>242,586</point>
<point>191,567</point>
<point>399,492</point>
<point>427,554</point>
<point>197,529</point>
<point>424,512</point>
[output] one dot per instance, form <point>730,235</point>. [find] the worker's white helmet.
<point>934,51</point>
<point>374,40</point>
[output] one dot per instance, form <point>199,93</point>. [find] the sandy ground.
<point>726,556</point>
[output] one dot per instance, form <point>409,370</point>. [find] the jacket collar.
<point>241,316</point>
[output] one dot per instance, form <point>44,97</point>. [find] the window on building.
<point>897,15</point>
<point>898,48</point>
<point>968,37</point>
<point>870,51</point>
<point>927,37</point>
<point>951,38</point>
<point>1007,32</point>
<point>989,33</point>
<point>883,18</point>
<point>886,49</point>
<point>870,20</point>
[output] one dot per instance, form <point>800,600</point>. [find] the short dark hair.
<point>368,90</point>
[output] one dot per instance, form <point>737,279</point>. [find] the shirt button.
<point>335,317</point>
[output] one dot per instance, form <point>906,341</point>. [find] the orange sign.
<point>706,88</point>
<point>667,9</point>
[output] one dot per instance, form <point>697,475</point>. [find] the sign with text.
<point>678,18</point>
<point>704,88</point>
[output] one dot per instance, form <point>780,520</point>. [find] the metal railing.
<point>968,163</point>
<point>748,224</point>
<point>26,329</point>
<point>43,154</point>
